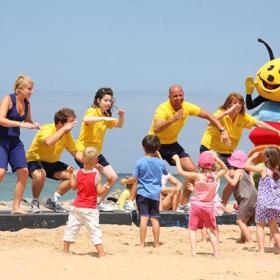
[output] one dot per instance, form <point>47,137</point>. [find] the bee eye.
<point>270,67</point>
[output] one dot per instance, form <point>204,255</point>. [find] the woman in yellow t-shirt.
<point>234,119</point>
<point>93,128</point>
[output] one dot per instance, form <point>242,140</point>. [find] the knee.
<point>38,176</point>
<point>2,174</point>
<point>22,174</point>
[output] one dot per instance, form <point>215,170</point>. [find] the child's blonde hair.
<point>22,81</point>
<point>90,154</point>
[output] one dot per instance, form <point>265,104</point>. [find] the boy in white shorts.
<point>87,182</point>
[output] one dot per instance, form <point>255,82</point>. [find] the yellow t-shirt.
<point>166,111</point>
<point>211,136</point>
<point>123,198</point>
<point>92,135</point>
<point>39,151</point>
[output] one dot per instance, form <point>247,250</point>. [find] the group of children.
<point>148,177</point>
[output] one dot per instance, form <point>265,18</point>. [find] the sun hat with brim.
<point>206,160</point>
<point>237,159</point>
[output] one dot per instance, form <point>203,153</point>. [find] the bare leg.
<point>156,230</point>
<point>244,230</point>
<point>38,181</point>
<point>192,235</point>
<point>22,176</point>
<point>187,165</point>
<point>2,174</point>
<point>143,230</point>
<point>213,240</point>
<point>100,250</point>
<point>275,232</point>
<point>260,236</point>
<point>111,178</point>
<point>66,247</point>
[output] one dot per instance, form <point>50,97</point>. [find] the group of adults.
<point>43,157</point>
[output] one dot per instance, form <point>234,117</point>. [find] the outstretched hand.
<point>250,85</point>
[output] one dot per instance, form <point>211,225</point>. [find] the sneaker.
<point>35,207</point>
<point>129,206</point>
<point>184,208</point>
<point>55,206</point>
<point>106,207</point>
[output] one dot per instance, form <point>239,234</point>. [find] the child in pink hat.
<point>202,199</point>
<point>244,192</point>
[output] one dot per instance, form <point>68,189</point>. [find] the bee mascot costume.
<point>267,84</point>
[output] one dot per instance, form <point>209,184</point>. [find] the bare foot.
<point>156,245</point>
<point>18,211</point>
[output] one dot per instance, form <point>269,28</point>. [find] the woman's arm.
<point>28,118</point>
<point>94,119</point>
<point>4,108</point>
<point>264,125</point>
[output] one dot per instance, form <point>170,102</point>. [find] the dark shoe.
<point>55,206</point>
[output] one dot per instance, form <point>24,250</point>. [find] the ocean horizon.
<point>8,185</point>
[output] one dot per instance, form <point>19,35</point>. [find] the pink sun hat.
<point>237,159</point>
<point>206,160</point>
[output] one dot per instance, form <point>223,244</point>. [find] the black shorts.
<point>101,160</point>
<point>167,151</point>
<point>49,167</point>
<point>147,207</point>
<point>223,157</point>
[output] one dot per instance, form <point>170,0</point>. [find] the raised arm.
<point>52,139</point>
<point>160,125</point>
<point>249,166</point>
<point>182,172</point>
<point>224,134</point>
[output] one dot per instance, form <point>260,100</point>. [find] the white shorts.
<point>83,216</point>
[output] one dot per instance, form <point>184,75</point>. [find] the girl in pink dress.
<point>202,211</point>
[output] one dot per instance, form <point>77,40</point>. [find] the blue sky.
<point>139,48</point>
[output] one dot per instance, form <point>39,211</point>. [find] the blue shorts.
<point>12,152</point>
<point>167,151</point>
<point>223,157</point>
<point>101,160</point>
<point>49,167</point>
<point>147,207</point>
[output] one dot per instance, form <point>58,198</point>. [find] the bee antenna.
<point>268,48</point>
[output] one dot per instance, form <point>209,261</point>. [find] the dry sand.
<point>36,254</point>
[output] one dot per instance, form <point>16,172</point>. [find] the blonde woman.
<point>15,113</point>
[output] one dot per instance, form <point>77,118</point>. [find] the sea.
<point>8,184</point>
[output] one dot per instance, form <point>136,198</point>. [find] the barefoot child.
<point>148,173</point>
<point>202,199</point>
<point>268,200</point>
<point>87,182</point>
<point>244,192</point>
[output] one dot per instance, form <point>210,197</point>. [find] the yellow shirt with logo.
<point>92,135</point>
<point>164,112</point>
<point>39,151</point>
<point>211,136</point>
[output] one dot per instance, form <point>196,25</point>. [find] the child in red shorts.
<point>202,199</point>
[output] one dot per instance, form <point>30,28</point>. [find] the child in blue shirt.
<point>148,173</point>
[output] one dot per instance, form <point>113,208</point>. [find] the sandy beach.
<point>36,254</point>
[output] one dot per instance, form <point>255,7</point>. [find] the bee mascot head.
<point>267,84</point>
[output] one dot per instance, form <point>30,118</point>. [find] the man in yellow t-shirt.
<point>169,119</point>
<point>44,154</point>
